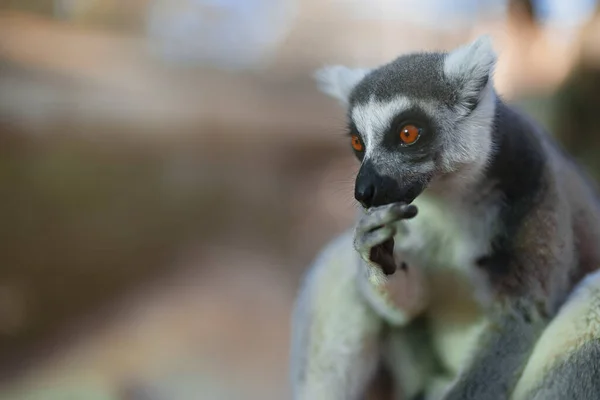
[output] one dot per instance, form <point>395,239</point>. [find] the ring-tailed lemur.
<point>507,227</point>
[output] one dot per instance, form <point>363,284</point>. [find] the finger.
<point>409,211</point>
<point>383,215</point>
<point>380,216</point>
<point>365,242</point>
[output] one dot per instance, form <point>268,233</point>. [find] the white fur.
<point>475,59</point>
<point>470,63</point>
<point>335,334</point>
<point>398,298</point>
<point>459,232</point>
<point>373,119</point>
<point>371,287</point>
<point>338,81</point>
<point>467,145</point>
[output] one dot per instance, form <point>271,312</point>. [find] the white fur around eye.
<point>374,118</point>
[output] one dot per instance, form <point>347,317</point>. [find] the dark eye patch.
<point>424,146</point>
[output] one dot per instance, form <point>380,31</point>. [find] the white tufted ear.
<point>470,67</point>
<point>475,60</point>
<point>338,81</point>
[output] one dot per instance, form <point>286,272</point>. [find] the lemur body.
<point>507,227</point>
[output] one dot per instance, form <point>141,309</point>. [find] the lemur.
<point>473,267</point>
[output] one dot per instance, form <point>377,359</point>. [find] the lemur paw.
<point>396,295</point>
<point>374,235</point>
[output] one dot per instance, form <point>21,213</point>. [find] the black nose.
<point>364,193</point>
<point>373,189</point>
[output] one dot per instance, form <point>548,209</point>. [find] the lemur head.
<point>422,121</point>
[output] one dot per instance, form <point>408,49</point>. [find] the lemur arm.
<point>521,279</point>
<point>335,344</point>
<point>503,349</point>
<point>565,363</point>
<point>340,314</point>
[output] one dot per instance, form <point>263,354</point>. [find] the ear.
<point>470,67</point>
<point>338,81</point>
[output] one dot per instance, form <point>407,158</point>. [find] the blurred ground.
<point>163,188</point>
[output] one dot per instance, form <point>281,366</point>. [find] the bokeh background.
<point>168,170</point>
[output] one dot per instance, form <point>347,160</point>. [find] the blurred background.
<point>168,170</point>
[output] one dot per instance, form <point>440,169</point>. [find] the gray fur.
<point>576,378</point>
<point>450,96</point>
<point>499,204</point>
<point>416,76</point>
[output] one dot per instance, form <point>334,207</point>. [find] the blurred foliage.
<point>576,117</point>
<point>46,8</point>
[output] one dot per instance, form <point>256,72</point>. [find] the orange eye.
<point>356,143</point>
<point>409,134</point>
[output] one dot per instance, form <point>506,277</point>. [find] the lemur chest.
<point>445,235</point>
<point>454,316</point>
<point>446,240</point>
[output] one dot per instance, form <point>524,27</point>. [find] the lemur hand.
<point>374,235</point>
<point>397,296</point>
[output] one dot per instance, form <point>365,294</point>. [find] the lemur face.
<point>423,120</point>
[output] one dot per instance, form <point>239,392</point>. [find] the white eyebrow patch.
<point>373,119</point>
